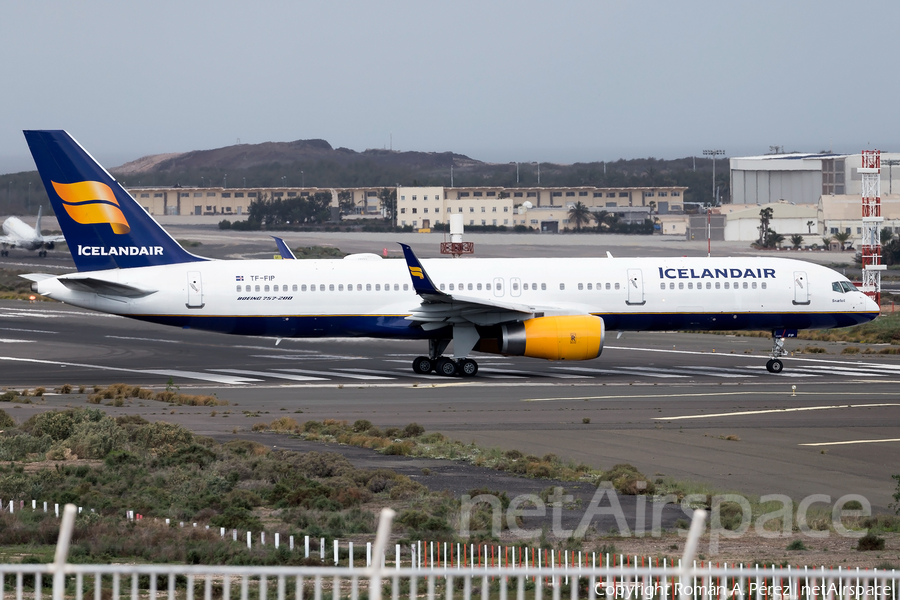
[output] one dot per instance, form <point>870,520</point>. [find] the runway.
<point>664,402</point>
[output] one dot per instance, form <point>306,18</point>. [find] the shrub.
<point>870,542</point>
<point>626,479</point>
<point>6,421</point>
<point>797,545</point>
<point>413,430</point>
<point>361,426</point>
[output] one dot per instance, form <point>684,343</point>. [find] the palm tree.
<point>580,214</point>
<point>886,236</point>
<point>842,237</point>
<point>796,241</point>
<point>826,241</point>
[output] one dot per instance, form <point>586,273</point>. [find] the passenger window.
<point>239,288</point>
<point>397,287</point>
<point>405,287</point>
<point>470,287</point>
<point>294,287</point>
<point>451,287</point>
<point>358,287</point>
<point>303,288</point>
<point>763,284</point>
<point>515,285</point>
<point>745,285</point>
<point>441,286</point>
<point>662,285</point>
<point>607,286</point>
<point>598,286</point>
<point>321,287</point>
<point>680,285</point>
<point>690,285</point>
<point>753,285</point>
<point>275,288</point>
<point>580,286</point>
<point>562,286</point>
<point>330,287</point>
<point>708,285</point>
<point>590,286</point>
<point>257,288</point>
<point>340,287</point>
<point>247,288</point>
<point>717,285</point>
<point>368,287</point>
<point>543,287</point>
<point>378,287</point>
<point>349,287</point>
<point>478,287</point>
<point>617,286</point>
<point>671,285</point>
<point>266,289</point>
<point>726,285</point>
<point>487,286</point>
<point>499,286</point>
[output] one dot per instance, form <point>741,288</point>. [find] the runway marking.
<point>514,373</point>
<point>848,371</point>
<point>140,339</point>
<point>678,370</point>
<point>169,372</point>
<point>11,341</point>
<point>27,330</point>
<point>268,374</point>
<point>305,357</point>
<point>52,314</point>
<point>394,373</point>
<point>852,442</point>
<point>333,374</point>
<point>618,372</point>
<point>773,410</point>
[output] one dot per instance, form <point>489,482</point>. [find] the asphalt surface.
<point>695,407</point>
<point>665,403</point>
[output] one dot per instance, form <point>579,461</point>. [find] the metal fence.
<point>682,582</point>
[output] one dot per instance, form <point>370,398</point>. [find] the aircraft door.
<point>498,286</point>
<point>195,290</point>
<point>801,288</point>
<point>635,288</point>
<point>515,285</point>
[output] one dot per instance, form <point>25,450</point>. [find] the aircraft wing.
<point>9,240</point>
<point>440,309</point>
<point>55,239</point>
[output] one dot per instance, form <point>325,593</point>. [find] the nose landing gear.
<point>774,365</point>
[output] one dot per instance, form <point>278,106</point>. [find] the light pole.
<point>714,154</point>
<point>302,180</point>
<point>539,171</point>
<point>890,163</point>
<point>245,182</point>
<point>225,181</point>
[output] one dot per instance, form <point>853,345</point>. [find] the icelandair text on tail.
<point>120,251</point>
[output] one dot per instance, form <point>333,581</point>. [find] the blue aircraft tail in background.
<point>104,226</point>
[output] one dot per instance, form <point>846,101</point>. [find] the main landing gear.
<point>774,365</point>
<point>448,367</point>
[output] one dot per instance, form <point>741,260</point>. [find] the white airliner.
<point>18,234</point>
<point>550,308</point>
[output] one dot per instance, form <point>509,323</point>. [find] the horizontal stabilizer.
<point>93,285</point>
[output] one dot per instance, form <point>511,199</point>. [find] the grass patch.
<point>161,470</point>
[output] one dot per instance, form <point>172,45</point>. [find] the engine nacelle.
<point>552,338</point>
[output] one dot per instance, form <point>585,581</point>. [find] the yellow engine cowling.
<point>554,338</point>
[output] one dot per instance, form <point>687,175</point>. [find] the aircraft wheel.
<point>468,367</point>
<point>777,366</point>
<point>446,367</point>
<point>422,365</point>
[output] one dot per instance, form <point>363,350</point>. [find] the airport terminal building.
<point>541,208</point>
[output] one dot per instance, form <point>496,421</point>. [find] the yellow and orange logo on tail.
<point>417,272</point>
<point>90,202</point>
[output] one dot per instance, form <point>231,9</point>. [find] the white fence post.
<point>276,541</point>
<point>336,552</point>
<point>234,535</point>
<point>350,544</point>
<point>368,554</point>
<point>248,540</point>
<point>262,538</point>
<point>292,543</point>
<point>306,551</point>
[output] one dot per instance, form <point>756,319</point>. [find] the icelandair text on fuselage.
<point>716,273</point>
<point>120,251</point>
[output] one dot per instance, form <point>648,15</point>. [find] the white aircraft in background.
<point>18,234</point>
<point>550,308</point>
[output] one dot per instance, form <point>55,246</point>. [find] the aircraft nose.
<point>871,305</point>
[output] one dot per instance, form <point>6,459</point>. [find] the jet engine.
<point>552,338</point>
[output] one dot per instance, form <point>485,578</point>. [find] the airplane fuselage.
<point>373,298</point>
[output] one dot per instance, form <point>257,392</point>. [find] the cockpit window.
<point>848,287</point>
<point>836,287</point>
<point>842,287</point>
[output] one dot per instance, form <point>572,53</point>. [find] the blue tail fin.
<point>103,225</point>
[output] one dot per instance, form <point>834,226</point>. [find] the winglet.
<point>422,283</point>
<point>283,249</point>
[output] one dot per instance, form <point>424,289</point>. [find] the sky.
<point>570,81</point>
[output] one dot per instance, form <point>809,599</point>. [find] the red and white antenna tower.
<point>872,220</point>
